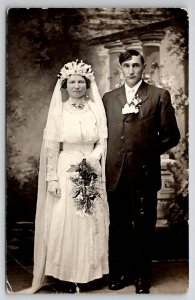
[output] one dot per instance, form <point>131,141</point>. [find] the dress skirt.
<point>77,244</point>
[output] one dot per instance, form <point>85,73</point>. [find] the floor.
<point>168,277</point>
<point>169,270</point>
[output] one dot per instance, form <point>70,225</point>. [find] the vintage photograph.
<point>97,151</point>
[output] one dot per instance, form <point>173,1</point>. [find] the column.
<point>115,48</point>
<point>133,43</point>
<point>151,42</point>
<point>166,194</point>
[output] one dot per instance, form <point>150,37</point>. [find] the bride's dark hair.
<point>64,83</point>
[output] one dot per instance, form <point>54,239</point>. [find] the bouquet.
<point>86,186</point>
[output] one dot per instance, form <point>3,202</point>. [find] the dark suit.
<point>133,173</point>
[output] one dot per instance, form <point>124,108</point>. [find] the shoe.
<point>90,286</point>
<point>70,287</point>
<point>119,283</point>
<point>96,284</point>
<point>142,286</point>
<point>67,287</point>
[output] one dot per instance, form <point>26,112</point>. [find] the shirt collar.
<point>134,88</point>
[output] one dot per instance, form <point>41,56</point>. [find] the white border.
<point>189,5</point>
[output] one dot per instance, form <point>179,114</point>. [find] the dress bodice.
<point>79,125</point>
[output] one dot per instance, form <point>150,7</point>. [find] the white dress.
<point>77,244</point>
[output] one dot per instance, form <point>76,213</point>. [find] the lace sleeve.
<point>52,160</point>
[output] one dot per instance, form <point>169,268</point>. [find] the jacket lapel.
<point>122,100</point>
<point>121,97</point>
<point>142,91</point>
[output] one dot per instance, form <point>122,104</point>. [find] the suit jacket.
<point>141,137</point>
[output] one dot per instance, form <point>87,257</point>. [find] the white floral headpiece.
<point>76,68</point>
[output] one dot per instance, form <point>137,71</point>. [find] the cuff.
<point>51,176</point>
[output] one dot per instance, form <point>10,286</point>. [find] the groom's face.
<point>132,70</point>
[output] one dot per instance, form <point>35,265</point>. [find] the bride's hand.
<point>54,188</point>
<point>94,163</point>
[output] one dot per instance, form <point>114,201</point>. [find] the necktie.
<point>130,95</point>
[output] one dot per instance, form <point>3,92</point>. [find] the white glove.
<point>54,188</point>
<point>94,163</point>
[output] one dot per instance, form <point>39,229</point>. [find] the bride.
<point>72,218</point>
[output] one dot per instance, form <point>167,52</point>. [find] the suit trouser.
<point>132,223</point>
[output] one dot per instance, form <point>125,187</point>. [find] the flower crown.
<point>76,68</point>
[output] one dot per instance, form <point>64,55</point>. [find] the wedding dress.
<point>77,243</point>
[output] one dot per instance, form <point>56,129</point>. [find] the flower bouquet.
<point>86,186</point>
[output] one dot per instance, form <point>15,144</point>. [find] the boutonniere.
<point>132,107</point>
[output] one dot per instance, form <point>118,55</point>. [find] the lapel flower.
<point>132,107</point>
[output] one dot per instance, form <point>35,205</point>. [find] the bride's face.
<point>76,86</point>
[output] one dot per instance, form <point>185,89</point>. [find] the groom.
<point>141,126</point>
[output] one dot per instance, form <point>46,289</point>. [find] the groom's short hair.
<point>128,54</point>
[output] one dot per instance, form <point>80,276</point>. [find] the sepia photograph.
<point>97,151</point>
